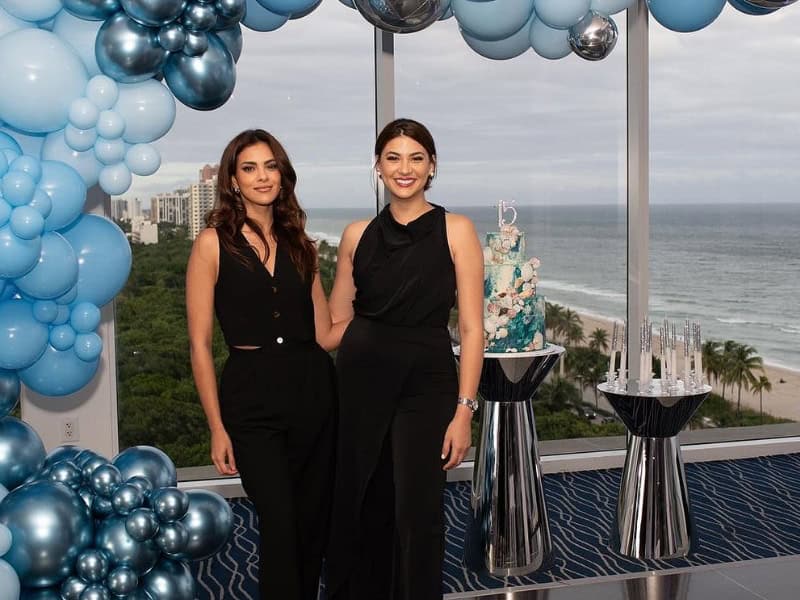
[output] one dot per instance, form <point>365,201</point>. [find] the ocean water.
<point>733,267</point>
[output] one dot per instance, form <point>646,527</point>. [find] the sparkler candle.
<point>673,358</point>
<point>613,359</point>
<point>623,356</point>
<point>698,354</point>
<point>687,367</point>
<point>662,346</point>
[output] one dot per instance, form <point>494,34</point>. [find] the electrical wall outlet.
<point>69,430</point>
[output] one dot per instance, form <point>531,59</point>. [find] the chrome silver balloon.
<point>199,17</point>
<point>170,580</point>
<point>169,504</point>
<point>196,43</point>
<point>203,82</point>
<point>142,524</point>
<point>122,549</point>
<point>153,13</point>
<point>21,452</point>
<point>105,479</point>
<point>209,523</point>
<point>172,537</point>
<point>92,10</point>
<point>9,388</point>
<point>232,38</point>
<point>401,16</point>
<point>122,581</point>
<point>126,498</point>
<point>128,51</point>
<point>148,462</point>
<point>50,526</point>
<point>594,36</point>
<point>172,37</point>
<point>229,12</point>
<point>66,472</point>
<point>72,588</point>
<point>96,591</point>
<point>92,565</point>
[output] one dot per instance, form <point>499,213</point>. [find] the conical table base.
<point>653,514</point>
<point>508,532</point>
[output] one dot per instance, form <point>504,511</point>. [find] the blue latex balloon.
<point>7,141</point>
<point>258,18</point>
<point>68,297</point>
<point>17,256</point>
<point>55,273</point>
<point>83,113</point>
<point>123,550</point>
<point>750,9</point>
<point>21,453</point>
<point>148,109</point>
<point>115,179</point>
<point>128,51</point>
<point>63,314</point>
<point>9,23</point>
<point>170,580</point>
<point>202,82</point>
<point>85,317</point>
<point>22,337</point>
<point>611,7</point>
<point>40,10</point>
<point>142,159</point>
<point>45,311</point>
<point>41,202</point>
<point>5,212</point>
<point>80,34</point>
<point>18,188</point>
<point>39,86</point>
<point>209,523</point>
<point>102,91</point>
<point>88,346</point>
<point>62,337</point>
<point>67,191</point>
<point>9,394</point>
<point>50,526</point>
<point>55,148</point>
<point>28,164</point>
<point>104,258</point>
<point>109,152</point>
<point>685,15</point>
<point>510,47</point>
<point>548,42</point>
<point>26,222</point>
<point>95,10</point>
<point>288,7</point>
<point>58,373</point>
<point>561,14</point>
<point>9,580</point>
<point>80,140</point>
<point>110,125</point>
<point>148,462</point>
<point>492,21</point>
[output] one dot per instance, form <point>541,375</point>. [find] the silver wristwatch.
<point>468,402</point>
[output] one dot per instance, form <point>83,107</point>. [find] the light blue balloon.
<point>102,91</point>
<point>311,8</point>
<point>128,51</point>
<point>26,222</point>
<point>18,188</point>
<point>80,140</point>
<point>5,212</point>
<point>148,462</point>
<point>9,582</point>
<point>5,539</point>
<point>148,109</point>
<point>9,395</point>
<point>112,537</point>
<point>40,10</point>
<point>110,125</point>
<point>109,152</point>
<point>750,9</point>
<point>31,143</point>
<point>45,311</point>
<point>611,7</point>
<point>170,580</point>
<point>22,338</point>
<point>104,258</point>
<point>561,14</point>
<point>68,297</point>
<point>21,454</point>
<point>115,179</point>
<point>41,202</point>
<point>62,337</point>
<point>511,47</point>
<point>17,256</point>
<point>685,15</point>
<point>83,113</point>
<point>88,346</point>
<point>54,274</point>
<point>85,317</point>
<point>84,163</point>
<point>493,20</point>
<point>258,18</point>
<point>67,191</point>
<point>287,7</point>
<point>50,526</point>
<point>40,85</point>
<point>7,141</point>
<point>58,373</point>
<point>63,314</point>
<point>27,164</point>
<point>143,159</point>
<point>9,23</point>
<point>202,82</point>
<point>80,34</point>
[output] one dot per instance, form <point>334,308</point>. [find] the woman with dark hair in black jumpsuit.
<point>404,411</point>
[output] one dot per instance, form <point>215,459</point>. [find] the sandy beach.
<point>782,401</point>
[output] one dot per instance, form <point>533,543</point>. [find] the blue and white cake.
<point>513,314</point>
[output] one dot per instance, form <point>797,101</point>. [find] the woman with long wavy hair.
<point>272,418</point>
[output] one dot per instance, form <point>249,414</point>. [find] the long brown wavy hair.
<point>288,219</point>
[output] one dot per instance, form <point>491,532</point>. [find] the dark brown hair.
<point>289,220</point>
<point>409,128</point>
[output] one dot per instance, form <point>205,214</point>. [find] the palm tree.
<point>598,340</point>
<point>739,368</point>
<point>573,327</point>
<point>712,359</point>
<point>554,317</point>
<point>761,385</point>
<point>725,375</point>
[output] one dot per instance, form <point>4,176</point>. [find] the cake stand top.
<point>548,349</point>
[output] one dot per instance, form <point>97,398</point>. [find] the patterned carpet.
<point>743,509</point>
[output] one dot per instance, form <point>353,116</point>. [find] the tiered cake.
<point>513,314</point>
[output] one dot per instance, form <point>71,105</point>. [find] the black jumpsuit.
<point>397,390</point>
<point>277,405</point>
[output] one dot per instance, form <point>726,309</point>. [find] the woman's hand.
<point>457,438</point>
<point>222,452</point>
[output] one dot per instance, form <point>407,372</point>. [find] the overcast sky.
<point>724,103</point>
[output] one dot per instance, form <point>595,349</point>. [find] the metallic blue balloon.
<point>87,495</point>
<point>172,537</point>
<point>50,526</point>
<point>128,51</point>
<point>232,38</point>
<point>66,472</point>
<point>170,580</point>
<point>89,466</point>
<point>209,523</point>
<point>106,479</point>
<point>122,581</point>
<point>153,13</point>
<point>148,462</point>
<point>102,507</point>
<point>202,82</point>
<point>9,391</point>
<point>21,452</point>
<point>126,498</point>
<point>122,549</point>
<point>96,591</point>
<point>199,17</point>
<point>64,452</point>
<point>143,483</point>
<point>142,524</point>
<point>229,12</point>
<point>172,37</point>
<point>169,504</point>
<point>72,588</point>
<point>196,43</point>
<point>92,10</point>
<point>92,565</point>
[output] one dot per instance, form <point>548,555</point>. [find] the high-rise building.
<point>201,200</point>
<point>208,172</point>
<point>170,207</point>
<point>119,209</point>
<point>143,231</point>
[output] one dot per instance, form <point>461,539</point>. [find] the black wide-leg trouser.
<point>278,409</point>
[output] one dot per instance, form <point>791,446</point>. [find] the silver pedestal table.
<point>508,533</point>
<point>653,516</point>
